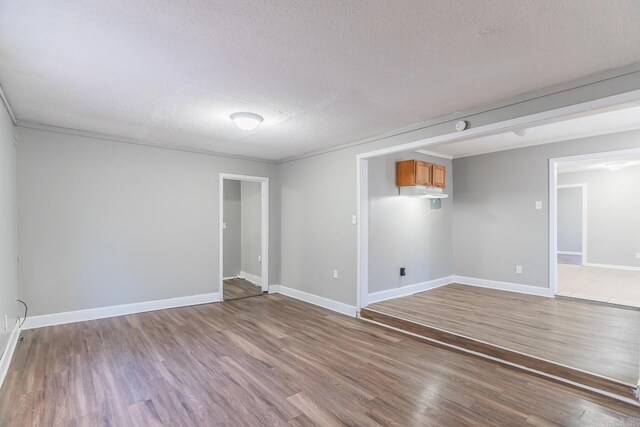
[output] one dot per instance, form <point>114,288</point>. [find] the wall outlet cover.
<point>335,274</point>
<point>518,269</point>
<point>539,204</point>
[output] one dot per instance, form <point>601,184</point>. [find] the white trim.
<point>5,360</point>
<point>503,286</point>
<point>256,280</point>
<point>117,310</point>
<point>125,140</point>
<point>434,154</point>
<point>274,289</point>
<point>5,101</point>
<point>230,277</point>
<point>569,253</point>
<point>264,190</point>
<point>485,130</point>
<point>323,302</point>
<point>409,289</point>
<point>617,267</point>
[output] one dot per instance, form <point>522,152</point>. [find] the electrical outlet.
<point>539,204</point>
<point>518,269</point>
<point>354,219</point>
<point>403,271</point>
<point>259,258</point>
<point>224,225</point>
<point>335,274</point>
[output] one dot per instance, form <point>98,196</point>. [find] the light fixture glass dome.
<point>246,121</point>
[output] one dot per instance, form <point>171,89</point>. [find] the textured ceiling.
<point>322,73</point>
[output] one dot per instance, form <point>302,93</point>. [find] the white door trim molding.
<point>264,181</point>
<point>485,130</point>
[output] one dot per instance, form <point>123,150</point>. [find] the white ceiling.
<point>597,164</point>
<point>595,123</point>
<point>322,73</point>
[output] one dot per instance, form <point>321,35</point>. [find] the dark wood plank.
<point>603,340</point>
<point>542,366</point>
<point>239,288</point>
<point>272,361</point>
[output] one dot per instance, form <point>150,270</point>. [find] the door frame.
<point>264,206</point>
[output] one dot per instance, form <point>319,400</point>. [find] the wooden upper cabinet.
<point>417,172</point>
<point>439,176</point>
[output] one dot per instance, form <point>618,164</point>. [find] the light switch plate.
<point>518,269</point>
<point>224,225</point>
<point>539,204</point>
<point>354,219</point>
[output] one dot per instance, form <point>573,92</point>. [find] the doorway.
<point>595,206</point>
<point>244,236</point>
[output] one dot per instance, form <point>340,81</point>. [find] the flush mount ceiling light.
<point>615,166</point>
<point>246,121</point>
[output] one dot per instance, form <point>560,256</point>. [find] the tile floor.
<point>599,284</point>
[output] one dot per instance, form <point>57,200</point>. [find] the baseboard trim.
<point>504,286</point>
<point>408,290</point>
<point>274,289</point>
<point>323,302</point>
<point>5,360</point>
<point>229,278</point>
<point>256,280</point>
<point>569,253</point>
<point>617,267</point>
<point>117,310</point>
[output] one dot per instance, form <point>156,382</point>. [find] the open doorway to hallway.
<point>243,237</point>
<point>598,228</point>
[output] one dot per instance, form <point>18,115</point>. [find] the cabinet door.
<point>423,173</point>
<point>439,176</point>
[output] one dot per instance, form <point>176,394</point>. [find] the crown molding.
<point>107,137</point>
<point>5,101</point>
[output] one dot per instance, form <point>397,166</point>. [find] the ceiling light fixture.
<point>615,166</point>
<point>246,121</point>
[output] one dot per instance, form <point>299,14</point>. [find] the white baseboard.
<point>504,286</point>
<point>323,302</point>
<point>5,360</point>
<point>569,253</point>
<point>256,280</point>
<point>408,290</point>
<point>274,289</point>
<point>229,278</point>
<point>117,310</point>
<point>617,267</point>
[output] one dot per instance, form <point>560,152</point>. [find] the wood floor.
<point>600,339</point>
<point>272,361</point>
<point>239,288</point>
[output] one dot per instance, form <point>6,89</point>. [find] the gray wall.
<point>613,213</point>
<point>251,196</point>
<point>319,196</point>
<point>569,219</point>
<point>232,234</point>
<point>405,231</point>
<point>106,223</point>
<point>495,223</point>
<point>8,228</point>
